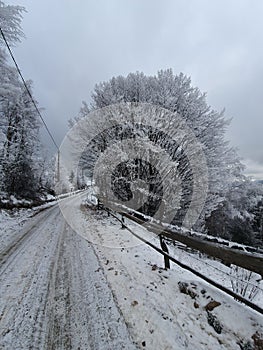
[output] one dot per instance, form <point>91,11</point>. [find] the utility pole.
<point>58,166</point>
<point>261,220</point>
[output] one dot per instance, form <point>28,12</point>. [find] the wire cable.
<point>223,272</point>
<point>28,91</point>
<point>188,268</point>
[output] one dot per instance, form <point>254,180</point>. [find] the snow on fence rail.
<point>184,266</point>
<point>252,262</point>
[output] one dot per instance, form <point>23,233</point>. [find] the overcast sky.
<point>71,45</point>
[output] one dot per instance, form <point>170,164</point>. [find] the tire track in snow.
<point>26,280</point>
<point>55,296</point>
<point>14,248</point>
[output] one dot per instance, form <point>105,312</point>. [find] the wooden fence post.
<point>165,249</point>
<point>122,222</point>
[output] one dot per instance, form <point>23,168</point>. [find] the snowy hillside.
<point>103,289</point>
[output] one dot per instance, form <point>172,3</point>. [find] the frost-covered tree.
<point>239,217</point>
<point>71,177</point>
<point>10,22</point>
<point>20,153</point>
<point>84,110</point>
<point>45,174</point>
<point>258,220</point>
<point>176,94</point>
<point>19,125</point>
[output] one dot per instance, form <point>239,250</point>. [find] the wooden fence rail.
<point>252,262</point>
<point>165,254</point>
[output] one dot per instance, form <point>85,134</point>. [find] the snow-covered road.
<point>54,294</point>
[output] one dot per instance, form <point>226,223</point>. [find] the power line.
<point>28,91</point>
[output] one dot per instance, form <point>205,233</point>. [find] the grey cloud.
<point>219,43</point>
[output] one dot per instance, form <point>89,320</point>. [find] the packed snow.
<point>101,288</point>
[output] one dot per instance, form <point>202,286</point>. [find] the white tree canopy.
<point>10,22</point>
<point>176,94</point>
